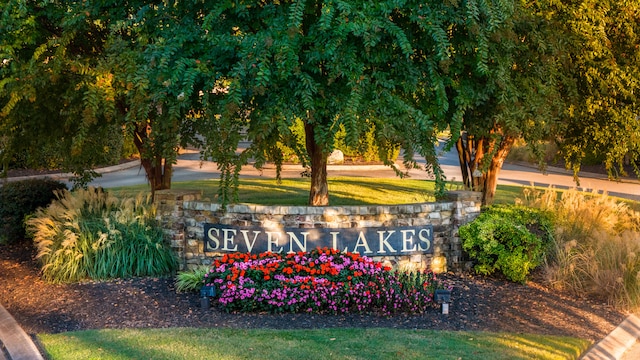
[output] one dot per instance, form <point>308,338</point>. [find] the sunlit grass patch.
<point>343,191</point>
<point>370,344</point>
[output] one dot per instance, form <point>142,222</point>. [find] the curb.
<point>619,341</point>
<point>581,174</point>
<point>14,342</point>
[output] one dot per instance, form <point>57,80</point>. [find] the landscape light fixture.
<point>443,297</point>
<point>206,292</point>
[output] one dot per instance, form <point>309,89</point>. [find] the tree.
<point>565,71</point>
<point>520,92</point>
<point>112,67</point>
<point>604,121</point>
<point>39,93</point>
<point>359,64</point>
<point>168,70</point>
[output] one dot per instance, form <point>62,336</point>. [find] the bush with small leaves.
<point>18,200</point>
<point>507,238</point>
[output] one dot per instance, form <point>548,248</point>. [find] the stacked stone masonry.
<point>183,216</point>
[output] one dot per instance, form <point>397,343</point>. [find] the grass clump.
<point>18,200</point>
<point>509,239</point>
<point>89,234</point>
<point>191,280</point>
<point>596,250</point>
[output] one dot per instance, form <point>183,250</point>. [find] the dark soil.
<point>478,304</point>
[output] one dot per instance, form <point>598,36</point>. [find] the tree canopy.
<point>361,64</point>
<point>566,71</point>
<point>520,94</point>
<point>604,119</point>
<point>76,76</point>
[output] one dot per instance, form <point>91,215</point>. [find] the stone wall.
<point>183,216</point>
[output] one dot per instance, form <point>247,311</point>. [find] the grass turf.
<point>343,191</point>
<point>370,344</point>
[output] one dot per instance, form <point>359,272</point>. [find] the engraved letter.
<point>245,234</point>
<point>408,240</point>
<point>213,239</point>
<point>273,237</point>
<point>425,236</point>
<point>227,238</point>
<point>293,238</point>
<point>362,241</point>
<point>384,242</point>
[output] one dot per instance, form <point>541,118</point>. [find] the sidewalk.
<point>621,344</point>
<point>15,344</point>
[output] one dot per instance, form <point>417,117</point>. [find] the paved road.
<point>190,167</point>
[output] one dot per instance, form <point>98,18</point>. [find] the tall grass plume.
<point>597,245</point>
<point>90,234</point>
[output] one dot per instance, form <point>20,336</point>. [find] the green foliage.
<point>603,37</point>
<point>110,67</point>
<point>18,200</point>
<point>509,239</point>
<point>365,148</point>
<point>389,73</point>
<point>382,71</point>
<point>520,93</point>
<point>359,66</point>
<point>191,280</point>
<point>89,234</point>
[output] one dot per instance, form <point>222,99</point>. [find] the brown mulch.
<point>478,304</point>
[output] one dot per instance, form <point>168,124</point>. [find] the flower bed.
<point>321,281</point>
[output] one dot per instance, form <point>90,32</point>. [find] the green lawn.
<point>342,191</point>
<point>369,344</point>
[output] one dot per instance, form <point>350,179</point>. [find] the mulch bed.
<point>478,304</point>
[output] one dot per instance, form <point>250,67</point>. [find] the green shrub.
<point>507,238</point>
<point>21,198</point>
<point>91,234</point>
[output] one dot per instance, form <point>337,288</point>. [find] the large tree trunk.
<point>471,152</point>
<point>157,169</point>
<point>491,176</point>
<point>319,192</point>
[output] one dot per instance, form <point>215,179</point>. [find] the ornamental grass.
<point>90,234</point>
<point>596,250</point>
<point>321,281</point>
